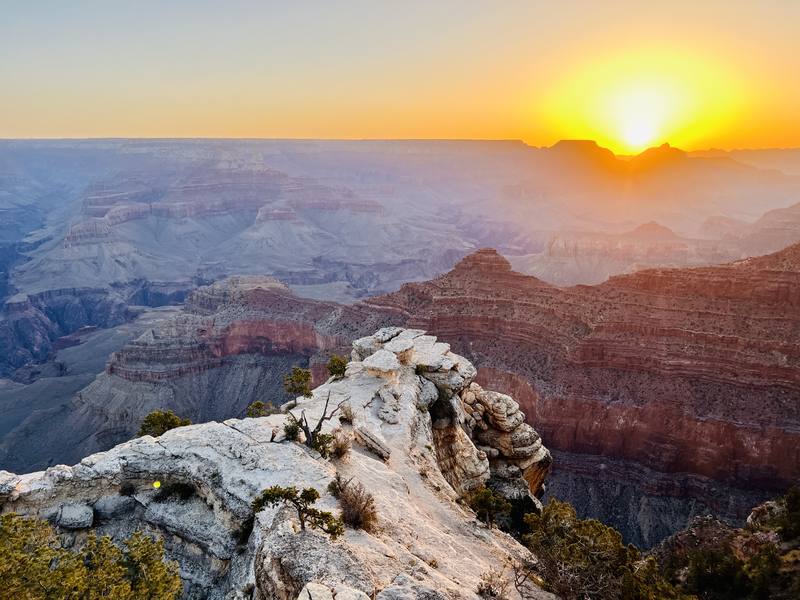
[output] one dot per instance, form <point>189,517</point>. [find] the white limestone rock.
<point>415,468</point>
<point>382,364</point>
<point>373,441</point>
<point>428,394</point>
<point>75,516</point>
<point>110,507</point>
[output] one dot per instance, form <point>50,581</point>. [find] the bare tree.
<point>314,437</point>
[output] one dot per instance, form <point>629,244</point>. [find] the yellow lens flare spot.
<point>156,484</point>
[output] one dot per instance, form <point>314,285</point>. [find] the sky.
<point>697,74</point>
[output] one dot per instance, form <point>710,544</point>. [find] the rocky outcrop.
<point>238,316</point>
<point>426,544</point>
<point>761,557</point>
<point>231,346</point>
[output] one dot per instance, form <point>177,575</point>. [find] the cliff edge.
<point>424,434</point>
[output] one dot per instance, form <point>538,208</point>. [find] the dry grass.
<point>341,444</point>
<point>358,505</point>
<point>493,586</point>
<point>346,413</point>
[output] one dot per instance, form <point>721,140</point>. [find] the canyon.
<point>662,394</point>
<point>102,226</point>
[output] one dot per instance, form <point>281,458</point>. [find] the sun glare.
<point>638,113</point>
<point>639,133</point>
<point>633,101</point>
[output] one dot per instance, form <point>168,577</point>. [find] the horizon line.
<point>377,139</point>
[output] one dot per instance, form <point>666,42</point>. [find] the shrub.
<point>261,409</point>
<point>34,565</point>
<point>493,586</point>
<point>346,413</point>
<point>341,444</point>
<point>718,573</point>
<point>584,559</point>
<point>292,430</point>
<point>321,442</point>
<point>301,501</point>
<point>161,421</point>
<point>314,438</point>
<point>337,365</point>
<point>358,505</point>
<point>488,505</point>
<point>789,522</point>
<point>298,382</point>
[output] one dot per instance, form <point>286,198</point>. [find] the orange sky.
<point>696,74</point>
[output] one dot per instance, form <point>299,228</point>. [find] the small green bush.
<point>488,505</point>
<point>298,382</point>
<point>301,501</point>
<point>35,566</point>
<point>261,409</point>
<point>337,365</point>
<point>322,443</point>
<point>161,421</point>
<point>292,430</point>
<point>789,522</point>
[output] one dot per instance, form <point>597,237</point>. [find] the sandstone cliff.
<point>424,433</point>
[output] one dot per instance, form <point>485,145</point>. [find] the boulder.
<point>75,516</point>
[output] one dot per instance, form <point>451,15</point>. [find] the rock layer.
<point>30,323</point>
<point>691,373</point>
<point>678,389</point>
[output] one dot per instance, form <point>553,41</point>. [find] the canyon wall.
<point>666,393</point>
<point>668,383</point>
<point>30,323</point>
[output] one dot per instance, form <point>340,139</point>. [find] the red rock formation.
<point>682,370</point>
<point>252,315</point>
<point>673,381</point>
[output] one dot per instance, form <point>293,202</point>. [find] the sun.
<point>639,112</point>
<point>639,133</point>
<point>631,100</point>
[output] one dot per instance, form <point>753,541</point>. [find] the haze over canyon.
<point>643,310</point>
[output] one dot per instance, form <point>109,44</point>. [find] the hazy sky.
<point>697,73</point>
